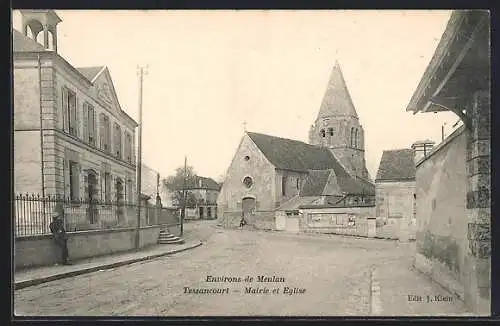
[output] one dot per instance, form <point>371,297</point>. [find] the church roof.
<point>315,183</point>
<point>337,100</point>
<point>396,165</point>
<point>21,43</point>
<point>288,154</point>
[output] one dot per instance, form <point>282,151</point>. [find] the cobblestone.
<point>334,271</point>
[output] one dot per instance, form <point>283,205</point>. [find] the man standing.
<point>60,237</point>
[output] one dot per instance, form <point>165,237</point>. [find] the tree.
<point>175,184</point>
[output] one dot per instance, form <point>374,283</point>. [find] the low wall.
<point>40,250</point>
<point>354,223</point>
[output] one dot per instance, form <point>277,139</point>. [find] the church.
<point>270,174</point>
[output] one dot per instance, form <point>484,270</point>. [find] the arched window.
<point>356,138</point>
<point>352,137</point>
<point>322,133</point>
<point>330,131</point>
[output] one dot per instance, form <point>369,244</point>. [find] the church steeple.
<point>337,100</point>
<point>337,125</point>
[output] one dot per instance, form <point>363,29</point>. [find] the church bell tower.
<point>41,21</point>
<point>337,126</point>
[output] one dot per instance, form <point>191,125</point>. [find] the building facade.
<point>71,137</point>
<point>454,182</point>
<point>205,191</point>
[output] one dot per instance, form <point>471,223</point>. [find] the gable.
<point>105,89</point>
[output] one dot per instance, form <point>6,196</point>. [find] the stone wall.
<point>441,213</point>
<point>40,250</point>
<point>395,199</point>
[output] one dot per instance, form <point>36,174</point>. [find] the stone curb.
<point>37,281</point>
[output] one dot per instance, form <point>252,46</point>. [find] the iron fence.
<point>33,214</point>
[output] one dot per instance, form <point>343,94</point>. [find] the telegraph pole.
<point>183,211</point>
<point>141,71</point>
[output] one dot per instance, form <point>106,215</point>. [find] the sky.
<point>210,71</point>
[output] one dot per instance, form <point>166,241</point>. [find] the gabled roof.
<point>337,100</point>
<point>396,165</point>
<point>203,183</point>
<point>21,43</point>
<point>288,154</point>
<point>90,72</point>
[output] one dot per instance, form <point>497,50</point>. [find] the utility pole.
<point>141,72</point>
<point>184,193</point>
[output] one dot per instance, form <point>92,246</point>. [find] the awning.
<point>460,65</point>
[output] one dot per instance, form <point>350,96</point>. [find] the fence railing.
<point>33,214</point>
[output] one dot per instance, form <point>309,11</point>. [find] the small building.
<point>206,191</point>
<point>453,183</point>
<point>395,189</point>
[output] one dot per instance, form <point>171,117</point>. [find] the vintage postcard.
<point>251,163</point>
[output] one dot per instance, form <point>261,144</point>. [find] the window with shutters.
<point>89,132</point>
<point>74,186</point>
<point>105,133</point>
<point>117,140</point>
<point>69,111</point>
<point>127,150</point>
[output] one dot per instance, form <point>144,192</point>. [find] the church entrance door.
<point>248,208</point>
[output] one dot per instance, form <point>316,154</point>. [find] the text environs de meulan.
<point>234,279</point>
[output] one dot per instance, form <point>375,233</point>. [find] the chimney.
<point>422,149</point>
<point>199,183</point>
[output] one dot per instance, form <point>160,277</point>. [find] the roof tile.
<point>396,165</point>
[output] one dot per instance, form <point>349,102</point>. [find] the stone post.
<point>478,257</point>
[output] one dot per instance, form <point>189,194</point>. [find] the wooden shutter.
<point>85,122</point>
<point>102,132</point>
<point>92,132</point>
<point>64,104</point>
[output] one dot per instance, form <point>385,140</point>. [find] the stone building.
<point>453,183</point>
<point>395,190</point>
<point>71,136</point>
<point>205,190</point>
<point>269,174</point>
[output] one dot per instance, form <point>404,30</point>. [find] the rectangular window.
<point>283,185</point>
<point>128,147</point>
<point>69,112</point>
<point>91,125</point>
<point>118,141</point>
<point>105,131</point>
<point>73,180</point>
